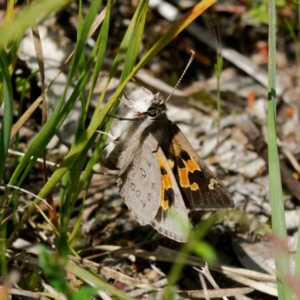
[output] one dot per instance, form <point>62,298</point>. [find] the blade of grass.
<point>297,262</point>
<point>8,112</point>
<point>14,199</point>
<point>3,234</point>
<point>278,220</point>
<point>218,70</point>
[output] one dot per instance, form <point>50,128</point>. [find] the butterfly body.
<point>160,174</point>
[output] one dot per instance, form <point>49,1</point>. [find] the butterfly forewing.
<point>171,219</point>
<point>202,189</point>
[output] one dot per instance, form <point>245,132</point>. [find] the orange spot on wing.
<point>192,165</point>
<point>166,180</point>
<point>171,163</point>
<point>165,176</point>
<point>183,175</point>
<point>164,204</point>
<point>194,186</point>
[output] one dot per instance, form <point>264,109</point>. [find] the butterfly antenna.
<point>183,73</point>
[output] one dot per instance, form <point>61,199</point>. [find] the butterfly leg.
<point>108,134</point>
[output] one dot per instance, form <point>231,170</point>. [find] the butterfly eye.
<point>152,112</point>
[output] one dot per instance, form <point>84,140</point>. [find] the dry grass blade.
<point>205,271</point>
<point>289,155</point>
<point>25,294</point>
<point>220,293</point>
<point>111,273</point>
<point>40,60</point>
<point>244,276</point>
<point>198,293</point>
<point>27,114</point>
<point>168,255</point>
<point>52,292</point>
<point>244,272</point>
<point>139,292</point>
<point>29,193</point>
<point>17,153</point>
<point>259,286</point>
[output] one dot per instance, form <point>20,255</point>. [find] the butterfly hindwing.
<point>140,184</point>
<point>203,190</point>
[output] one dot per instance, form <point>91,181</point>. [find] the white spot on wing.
<point>212,183</point>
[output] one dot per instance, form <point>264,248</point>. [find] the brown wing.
<point>202,189</point>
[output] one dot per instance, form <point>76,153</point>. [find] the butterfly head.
<point>151,106</point>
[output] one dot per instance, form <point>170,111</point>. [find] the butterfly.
<point>160,174</point>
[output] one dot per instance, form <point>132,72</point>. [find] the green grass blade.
<point>8,112</point>
<point>3,260</point>
<point>90,17</point>
<point>101,44</point>
<point>278,220</point>
<point>297,263</point>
